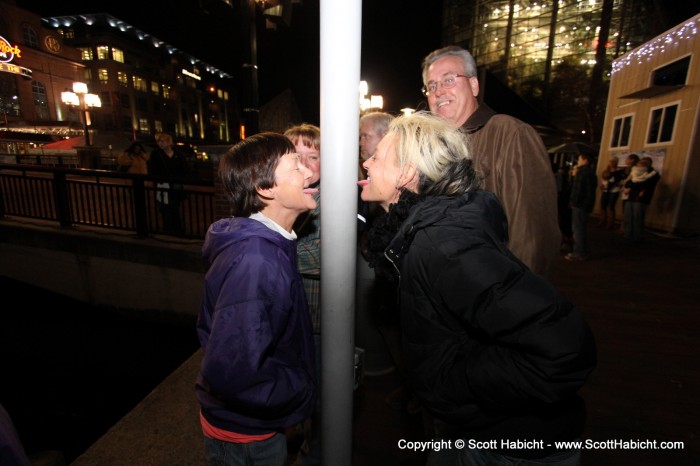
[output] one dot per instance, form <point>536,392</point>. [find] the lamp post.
<point>81,99</point>
<point>373,103</point>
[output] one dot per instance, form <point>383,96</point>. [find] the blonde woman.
<point>493,351</point>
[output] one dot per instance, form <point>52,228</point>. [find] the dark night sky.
<point>396,35</point>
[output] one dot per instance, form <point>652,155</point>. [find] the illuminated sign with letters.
<point>7,53</point>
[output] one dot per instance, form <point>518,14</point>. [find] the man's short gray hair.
<point>450,51</point>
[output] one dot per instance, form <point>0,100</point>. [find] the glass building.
<point>528,45</point>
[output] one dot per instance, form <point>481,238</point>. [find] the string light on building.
<point>644,53</point>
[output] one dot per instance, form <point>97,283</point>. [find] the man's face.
<point>369,138</point>
<point>458,103</point>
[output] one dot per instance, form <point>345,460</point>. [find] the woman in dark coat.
<point>495,353</point>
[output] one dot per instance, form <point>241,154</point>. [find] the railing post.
<point>62,202</point>
<point>2,202</point>
<point>140,216</point>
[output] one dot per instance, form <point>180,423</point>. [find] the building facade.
<point>145,85</point>
<point>654,111</point>
<point>547,51</point>
<point>35,66</point>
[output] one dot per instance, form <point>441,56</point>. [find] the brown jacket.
<point>511,157</point>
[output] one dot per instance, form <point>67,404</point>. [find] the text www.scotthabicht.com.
<point>506,444</point>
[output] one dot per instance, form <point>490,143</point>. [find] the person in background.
<point>630,161</point>
<point>610,185</point>
<point>170,167</point>
<point>373,127</point>
<point>258,375</point>
<point>134,159</point>
<point>507,152</point>
<point>307,143</point>
<point>582,200</point>
<point>494,351</point>
<point>563,179</point>
<point>640,187</point>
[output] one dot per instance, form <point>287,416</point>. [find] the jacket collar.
<point>478,210</point>
<point>478,119</point>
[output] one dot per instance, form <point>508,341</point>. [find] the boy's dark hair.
<point>249,165</point>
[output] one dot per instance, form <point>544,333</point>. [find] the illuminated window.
<point>85,53</point>
<point>118,55</point>
<point>123,79</point>
<point>140,84</point>
<point>155,88</point>
<point>158,126</point>
<point>166,91</point>
<point>143,125</point>
<point>67,33</point>
<point>103,75</point>
<point>9,101</point>
<point>621,132</point>
<point>661,124</point>
<point>102,52</point>
<point>225,95</point>
<point>30,37</point>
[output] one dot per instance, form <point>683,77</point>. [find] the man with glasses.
<point>508,153</point>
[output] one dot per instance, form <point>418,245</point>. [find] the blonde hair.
<point>438,150</point>
<point>164,137</point>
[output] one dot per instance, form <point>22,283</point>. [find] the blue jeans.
<point>478,457</point>
<point>579,224</point>
<point>269,452</point>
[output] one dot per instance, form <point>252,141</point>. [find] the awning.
<point>101,141</point>
<point>651,91</point>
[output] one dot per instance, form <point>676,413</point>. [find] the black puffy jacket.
<point>493,349</point>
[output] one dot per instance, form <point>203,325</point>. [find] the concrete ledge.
<point>117,271</point>
<point>162,430</point>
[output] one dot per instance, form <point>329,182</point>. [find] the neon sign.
<point>8,51</point>
<point>14,69</point>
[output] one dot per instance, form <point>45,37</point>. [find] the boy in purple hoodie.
<point>258,375</point>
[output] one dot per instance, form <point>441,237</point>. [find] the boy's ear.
<point>266,193</point>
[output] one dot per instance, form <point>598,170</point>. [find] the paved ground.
<point>641,301</point>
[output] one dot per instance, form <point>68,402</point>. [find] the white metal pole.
<point>341,24</point>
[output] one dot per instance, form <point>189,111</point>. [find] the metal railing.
<point>106,199</point>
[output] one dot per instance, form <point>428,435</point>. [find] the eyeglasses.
<point>448,82</point>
